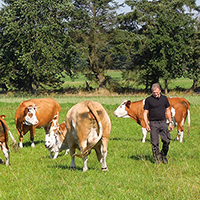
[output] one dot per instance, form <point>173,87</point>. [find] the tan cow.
<point>180,109</point>
<point>88,127</point>
<point>4,130</point>
<point>36,113</point>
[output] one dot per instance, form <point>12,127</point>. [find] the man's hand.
<point>170,127</point>
<point>148,128</point>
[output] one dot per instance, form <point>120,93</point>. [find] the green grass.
<point>178,84</point>
<point>132,174</point>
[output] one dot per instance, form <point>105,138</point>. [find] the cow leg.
<point>6,152</point>
<point>20,138</point>
<point>73,165</point>
<point>180,132</point>
<point>85,159</point>
<point>56,154</point>
<point>20,142</point>
<point>104,154</point>
<point>144,132</point>
<point>98,153</point>
<point>32,135</point>
<point>67,151</point>
<point>180,135</point>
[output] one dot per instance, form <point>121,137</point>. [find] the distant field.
<point>177,83</point>
<point>132,173</point>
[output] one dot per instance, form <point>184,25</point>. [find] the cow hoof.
<point>73,168</point>
<point>32,145</point>
<point>67,151</point>
<point>104,169</point>
<point>20,145</point>
<point>2,162</point>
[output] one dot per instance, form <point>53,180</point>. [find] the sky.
<point>126,9</point>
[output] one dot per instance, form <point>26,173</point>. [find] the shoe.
<point>164,160</point>
<point>158,158</point>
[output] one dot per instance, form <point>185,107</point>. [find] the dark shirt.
<point>156,107</point>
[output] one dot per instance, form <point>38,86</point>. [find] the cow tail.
<point>188,111</point>
<point>87,150</point>
<point>5,127</point>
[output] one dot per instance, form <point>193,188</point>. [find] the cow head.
<point>50,141</point>
<point>30,115</point>
<point>121,110</point>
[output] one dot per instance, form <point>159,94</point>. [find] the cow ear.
<point>25,111</point>
<point>128,104</point>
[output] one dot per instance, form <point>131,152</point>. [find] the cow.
<point>56,143</point>
<point>88,127</point>
<point>4,130</point>
<point>36,113</point>
<point>179,107</point>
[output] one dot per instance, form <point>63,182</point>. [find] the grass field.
<point>132,173</point>
<point>178,84</point>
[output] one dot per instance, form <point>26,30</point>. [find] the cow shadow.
<point>28,144</point>
<point>67,167</point>
<point>128,139</point>
<point>142,158</point>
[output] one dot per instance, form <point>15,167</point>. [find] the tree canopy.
<point>35,48</point>
<point>41,41</point>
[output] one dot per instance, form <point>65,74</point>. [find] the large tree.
<point>164,32</point>
<point>34,46</point>
<point>91,29</point>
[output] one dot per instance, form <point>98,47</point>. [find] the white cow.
<point>55,142</point>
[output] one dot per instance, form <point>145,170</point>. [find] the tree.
<point>35,48</point>
<point>164,33</point>
<point>193,68</point>
<point>91,29</point>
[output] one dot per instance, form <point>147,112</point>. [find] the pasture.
<point>132,173</point>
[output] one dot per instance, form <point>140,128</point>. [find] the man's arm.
<point>146,120</point>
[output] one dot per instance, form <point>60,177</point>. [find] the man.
<point>155,108</point>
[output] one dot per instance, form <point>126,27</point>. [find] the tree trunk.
<point>194,85</point>
<point>102,81</point>
<point>166,86</point>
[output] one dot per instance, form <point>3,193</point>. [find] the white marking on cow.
<point>6,154</point>
<point>121,111</point>
<point>144,132</point>
<point>173,112</point>
<point>92,135</point>
<point>180,135</point>
<point>30,118</point>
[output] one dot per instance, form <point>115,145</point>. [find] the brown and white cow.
<point>57,142</point>
<point>4,130</point>
<point>36,113</point>
<point>88,127</point>
<point>180,109</point>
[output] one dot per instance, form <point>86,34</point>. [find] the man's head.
<point>156,90</point>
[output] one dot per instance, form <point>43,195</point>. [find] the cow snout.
<point>36,122</point>
<point>115,114</point>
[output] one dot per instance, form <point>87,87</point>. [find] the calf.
<point>56,143</point>
<point>36,113</point>
<point>179,108</point>
<point>88,127</point>
<point>4,130</point>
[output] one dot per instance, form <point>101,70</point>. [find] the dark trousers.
<point>159,128</point>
